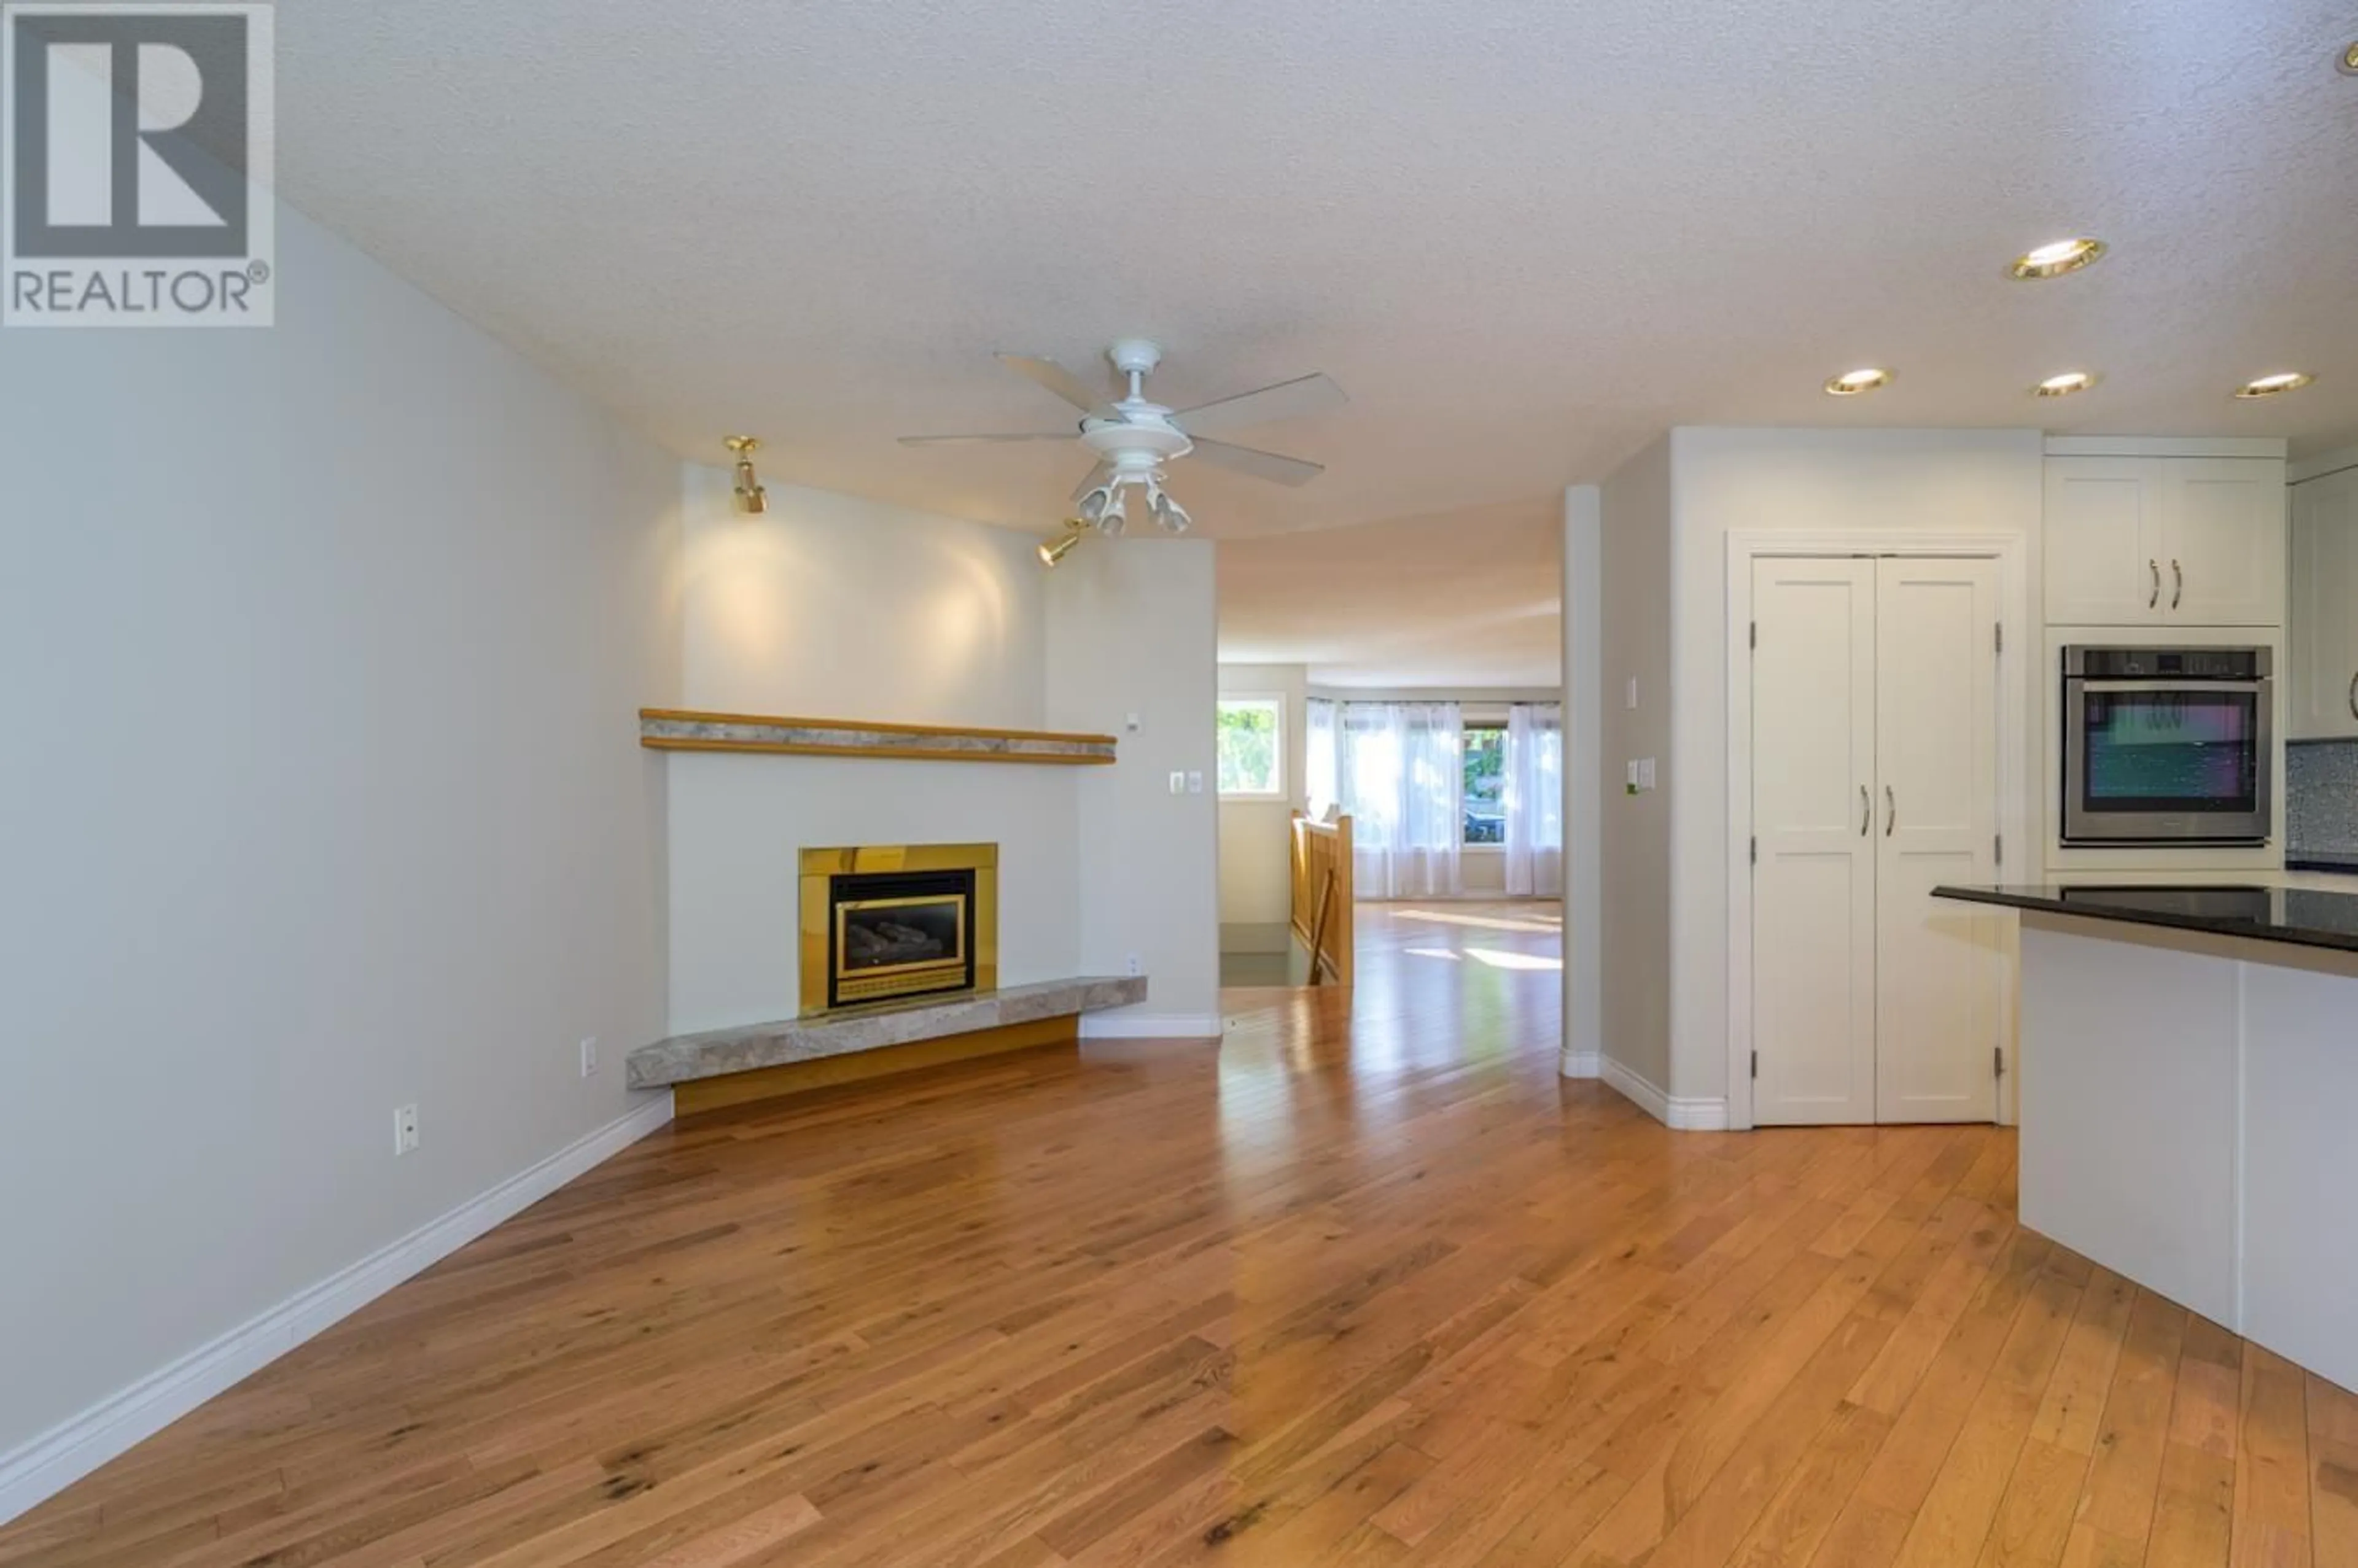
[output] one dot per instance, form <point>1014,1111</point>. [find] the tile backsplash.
<point>2321,797</point>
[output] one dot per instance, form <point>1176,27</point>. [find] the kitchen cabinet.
<point>2323,630</point>
<point>2141,541</point>
<point>1874,779</point>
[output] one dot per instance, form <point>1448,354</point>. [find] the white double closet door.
<point>1874,758</point>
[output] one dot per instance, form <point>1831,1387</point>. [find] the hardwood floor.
<point>1377,1291</point>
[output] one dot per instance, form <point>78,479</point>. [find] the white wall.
<point>321,647</point>
<point>1583,730</point>
<point>833,607</point>
<point>1634,847</point>
<point>1256,836</point>
<point>1132,629</point>
<point>1890,481</point>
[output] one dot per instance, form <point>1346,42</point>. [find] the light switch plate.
<point>1178,783</point>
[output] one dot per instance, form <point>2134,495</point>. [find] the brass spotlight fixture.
<point>2056,259</point>
<point>2068,383</point>
<point>2348,64</point>
<point>1857,383</point>
<point>2272,386</point>
<point>1053,551</point>
<point>751,499</point>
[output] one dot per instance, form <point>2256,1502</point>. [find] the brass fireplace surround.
<point>820,867</point>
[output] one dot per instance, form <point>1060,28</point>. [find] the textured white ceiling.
<point>1467,599</point>
<point>1524,235</point>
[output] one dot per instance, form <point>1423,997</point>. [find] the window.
<point>1484,755</point>
<point>1252,747</point>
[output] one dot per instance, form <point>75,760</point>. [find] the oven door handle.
<point>2180,688</point>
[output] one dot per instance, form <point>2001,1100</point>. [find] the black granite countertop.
<point>2299,917</point>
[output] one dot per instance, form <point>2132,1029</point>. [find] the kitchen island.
<point>2190,1098</point>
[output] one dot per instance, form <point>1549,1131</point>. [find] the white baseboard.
<point>50,1463</point>
<point>1583,1065</point>
<point>1127,1025</point>
<point>1687,1115</point>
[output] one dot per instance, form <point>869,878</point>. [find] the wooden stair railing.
<point>1321,902</point>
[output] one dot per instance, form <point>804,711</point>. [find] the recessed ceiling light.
<point>2065,385</point>
<point>2056,258</point>
<point>2269,386</point>
<point>1851,382</point>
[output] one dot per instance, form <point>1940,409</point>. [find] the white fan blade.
<point>1056,379</point>
<point>1259,464</point>
<point>1312,394</point>
<point>1097,476</point>
<point>973,440</point>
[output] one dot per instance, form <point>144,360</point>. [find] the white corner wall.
<point>1584,687</point>
<point>833,607</point>
<point>1132,630</point>
<point>1256,836</point>
<point>1634,830</point>
<point>1724,480</point>
<point>321,647</point>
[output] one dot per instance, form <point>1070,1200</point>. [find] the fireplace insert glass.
<point>900,933</point>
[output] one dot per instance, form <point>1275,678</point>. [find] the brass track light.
<point>751,499</point>
<point>1053,551</point>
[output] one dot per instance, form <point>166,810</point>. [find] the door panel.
<point>1813,935</point>
<point>1936,754</point>
<point>2222,541</point>
<point>2323,626</point>
<point>2103,535</point>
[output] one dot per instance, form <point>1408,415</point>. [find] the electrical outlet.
<point>405,1129</point>
<point>590,1057</point>
<point>1195,783</point>
<point>1134,964</point>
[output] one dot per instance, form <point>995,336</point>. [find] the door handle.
<point>2177,580</point>
<point>2152,600</point>
<point>1891,806</point>
<point>1866,804</point>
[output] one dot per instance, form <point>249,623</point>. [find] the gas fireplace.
<point>885,922</point>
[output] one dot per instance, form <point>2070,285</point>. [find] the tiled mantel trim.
<point>664,730</point>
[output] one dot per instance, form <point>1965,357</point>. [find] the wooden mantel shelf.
<point>668,730</point>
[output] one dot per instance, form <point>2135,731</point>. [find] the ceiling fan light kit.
<point>1133,439</point>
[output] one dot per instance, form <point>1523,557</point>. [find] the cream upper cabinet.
<point>2158,541</point>
<point>2104,542</point>
<point>2324,630</point>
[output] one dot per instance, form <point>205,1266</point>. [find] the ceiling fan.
<point>1132,439</point>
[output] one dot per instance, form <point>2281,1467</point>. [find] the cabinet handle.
<point>1891,804</point>
<point>2177,579</point>
<point>2354,697</point>
<point>1867,805</point>
<point>2152,600</point>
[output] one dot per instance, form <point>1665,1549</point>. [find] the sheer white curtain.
<point>1402,783</point>
<point>1535,800</point>
<point>1321,784</point>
